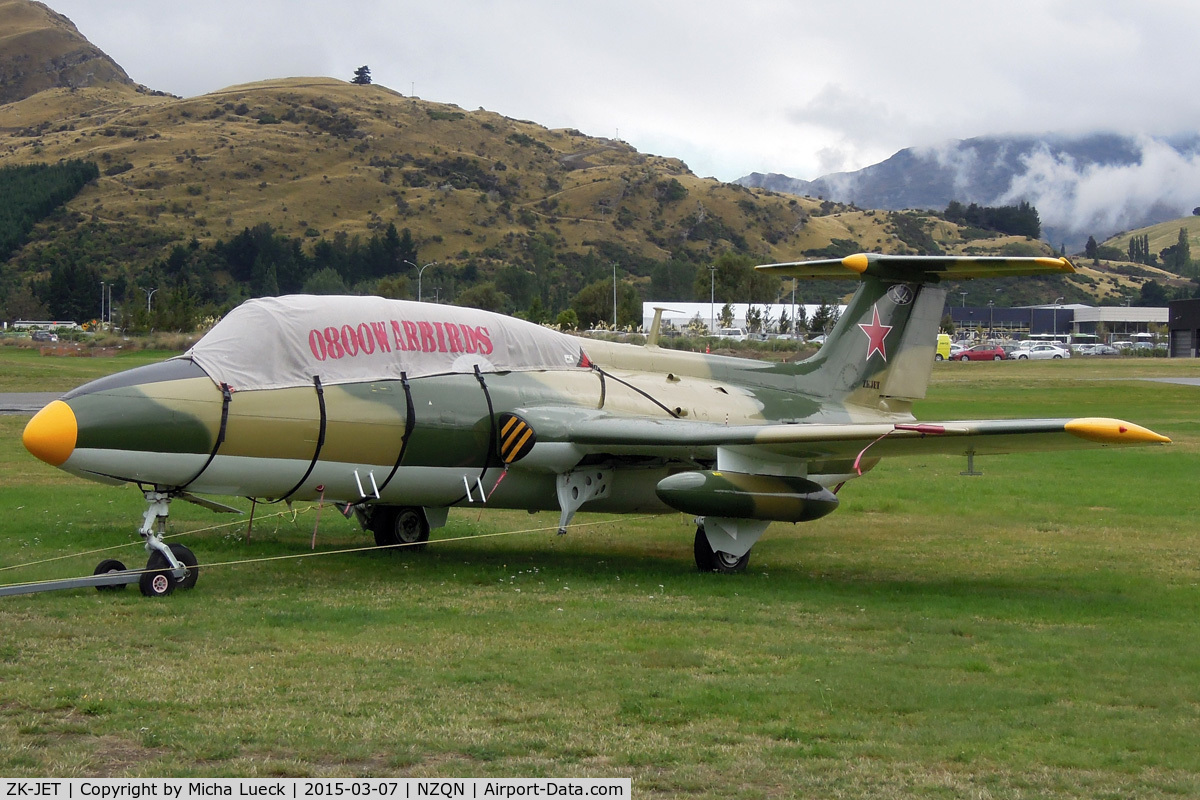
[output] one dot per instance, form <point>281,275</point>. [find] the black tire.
<point>106,566</point>
<point>937,356</point>
<point>186,557</point>
<point>963,358</point>
<point>1058,356</point>
<point>400,525</point>
<point>157,580</point>
<point>997,358</point>
<point>709,560</point>
<point>1022,358</point>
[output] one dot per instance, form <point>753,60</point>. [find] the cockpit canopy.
<point>277,342</point>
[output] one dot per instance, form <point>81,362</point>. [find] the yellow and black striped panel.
<point>516,438</point>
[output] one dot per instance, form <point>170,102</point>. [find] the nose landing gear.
<point>169,566</point>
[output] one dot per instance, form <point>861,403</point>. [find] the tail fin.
<point>880,354</point>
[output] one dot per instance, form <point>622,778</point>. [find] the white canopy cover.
<point>277,342</point>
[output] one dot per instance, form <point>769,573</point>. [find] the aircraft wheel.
<point>157,581</point>
<point>709,560</point>
<point>403,525</point>
<point>186,557</point>
<point>106,566</point>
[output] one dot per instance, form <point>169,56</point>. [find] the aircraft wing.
<point>848,440</point>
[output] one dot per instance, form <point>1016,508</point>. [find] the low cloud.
<point>1103,199</point>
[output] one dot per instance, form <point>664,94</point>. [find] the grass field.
<point>1028,633</point>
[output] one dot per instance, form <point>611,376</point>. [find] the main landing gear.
<point>723,545</point>
<point>709,560</point>
<point>399,525</point>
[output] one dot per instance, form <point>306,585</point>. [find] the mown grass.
<point>25,369</point>
<point>1028,633</point>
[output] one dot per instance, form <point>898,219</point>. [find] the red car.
<point>983,352</point>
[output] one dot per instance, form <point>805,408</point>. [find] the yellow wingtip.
<point>1113,431</point>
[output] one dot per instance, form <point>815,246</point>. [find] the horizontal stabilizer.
<point>920,269</point>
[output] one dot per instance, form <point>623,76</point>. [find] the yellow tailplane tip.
<point>858,262</point>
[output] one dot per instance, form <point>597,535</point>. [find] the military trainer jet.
<point>402,410</point>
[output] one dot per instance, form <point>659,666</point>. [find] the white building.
<point>679,315</point>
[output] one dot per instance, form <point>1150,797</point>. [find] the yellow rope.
<point>167,536</point>
<point>314,554</point>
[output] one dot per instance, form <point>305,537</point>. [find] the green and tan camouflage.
<point>404,410</point>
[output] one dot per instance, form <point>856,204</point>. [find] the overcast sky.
<point>793,86</point>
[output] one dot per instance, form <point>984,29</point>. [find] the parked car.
<point>1104,350</point>
<point>955,349</point>
<point>982,352</point>
<point>44,336</point>
<point>1041,350</point>
<point>737,334</point>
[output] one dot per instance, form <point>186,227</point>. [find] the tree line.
<point>30,193</point>
<point>1019,220</point>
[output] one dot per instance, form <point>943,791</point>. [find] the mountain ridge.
<point>1062,175</point>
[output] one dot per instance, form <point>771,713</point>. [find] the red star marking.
<point>876,332</point>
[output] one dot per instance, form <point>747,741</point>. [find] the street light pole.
<point>149,294</point>
<point>1055,323</point>
<point>420,272</point>
<point>712,299</point>
<point>614,295</point>
<point>793,331</point>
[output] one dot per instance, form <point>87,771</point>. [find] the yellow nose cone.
<point>51,434</point>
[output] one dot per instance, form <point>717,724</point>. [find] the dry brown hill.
<point>41,49</point>
<point>316,157</point>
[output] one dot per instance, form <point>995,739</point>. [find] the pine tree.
<point>1183,253</point>
<point>362,75</point>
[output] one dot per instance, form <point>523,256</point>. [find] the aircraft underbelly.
<point>633,489</point>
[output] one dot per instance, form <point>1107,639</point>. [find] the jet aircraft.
<point>403,410</point>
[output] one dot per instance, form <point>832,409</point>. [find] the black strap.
<point>226,398</point>
<point>410,421</point>
<point>320,440</point>
<point>492,437</point>
<point>490,460</point>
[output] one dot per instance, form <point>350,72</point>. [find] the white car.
<point>1043,350</point>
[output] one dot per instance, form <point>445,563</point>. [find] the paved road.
<point>1180,381</point>
<point>25,402</point>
